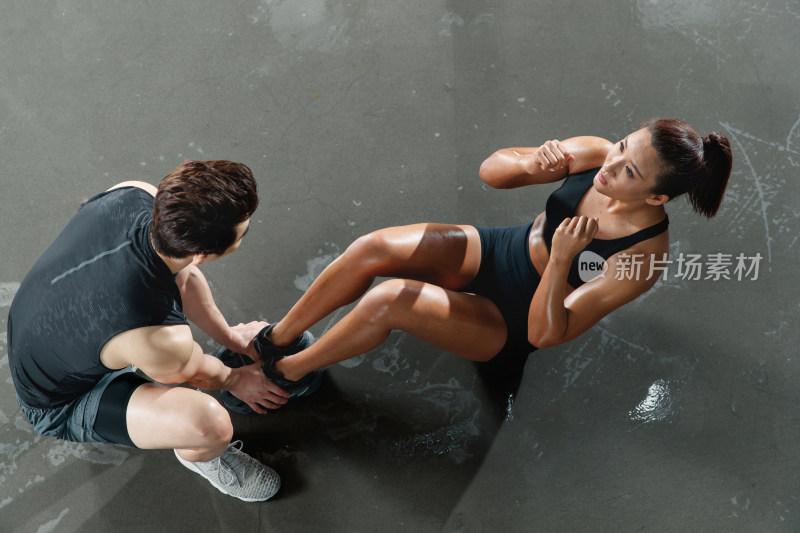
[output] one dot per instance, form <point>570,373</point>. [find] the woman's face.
<point>629,172</point>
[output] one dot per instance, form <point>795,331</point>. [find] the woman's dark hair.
<point>699,166</point>
<point>199,205</point>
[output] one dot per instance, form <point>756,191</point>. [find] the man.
<point>113,293</point>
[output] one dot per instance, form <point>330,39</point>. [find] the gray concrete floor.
<point>678,412</point>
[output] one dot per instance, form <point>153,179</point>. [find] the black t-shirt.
<point>99,278</point>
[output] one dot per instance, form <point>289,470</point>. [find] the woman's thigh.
<point>446,255</point>
<point>464,324</point>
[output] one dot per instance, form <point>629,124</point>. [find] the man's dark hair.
<point>199,205</point>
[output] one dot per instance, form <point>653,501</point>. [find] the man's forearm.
<point>199,306</point>
<point>213,375</point>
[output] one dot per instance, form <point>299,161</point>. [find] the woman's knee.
<point>385,300</point>
<point>368,251</point>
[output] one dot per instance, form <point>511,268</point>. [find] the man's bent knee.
<point>211,422</point>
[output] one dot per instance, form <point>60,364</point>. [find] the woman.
<point>477,292</point>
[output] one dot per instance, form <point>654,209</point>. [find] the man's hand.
<point>249,384</point>
<point>257,391</point>
<point>242,336</point>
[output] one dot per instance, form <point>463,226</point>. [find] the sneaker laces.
<point>233,470</point>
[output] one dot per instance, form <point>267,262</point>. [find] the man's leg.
<point>199,429</point>
<point>187,420</point>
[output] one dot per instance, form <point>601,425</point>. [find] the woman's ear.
<point>657,199</point>
<point>199,259</point>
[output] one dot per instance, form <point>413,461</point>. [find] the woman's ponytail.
<point>690,164</point>
<point>707,196</point>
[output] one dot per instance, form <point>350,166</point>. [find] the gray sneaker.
<point>237,474</point>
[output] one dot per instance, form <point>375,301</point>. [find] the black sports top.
<point>562,204</point>
<point>100,277</point>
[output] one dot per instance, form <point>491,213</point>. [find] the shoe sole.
<point>234,404</point>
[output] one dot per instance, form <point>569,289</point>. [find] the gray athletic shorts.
<point>74,421</point>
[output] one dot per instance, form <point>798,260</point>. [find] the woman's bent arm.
<point>509,168</point>
<point>554,318</point>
